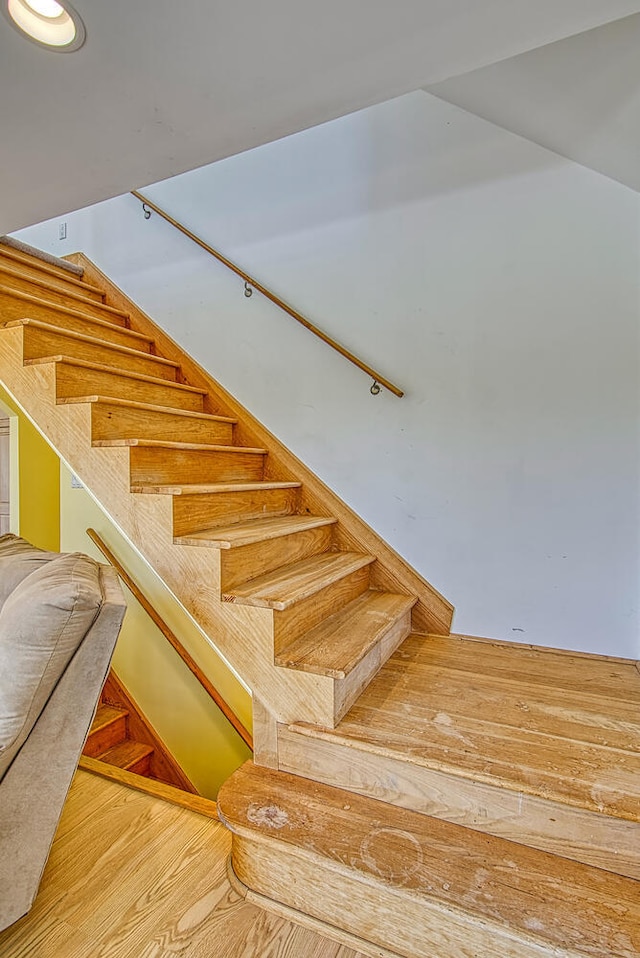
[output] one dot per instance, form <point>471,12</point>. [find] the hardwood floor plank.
<point>132,876</point>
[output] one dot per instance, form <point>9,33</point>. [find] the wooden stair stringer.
<point>432,612</point>
<point>243,635</point>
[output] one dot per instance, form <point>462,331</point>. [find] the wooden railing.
<point>173,640</point>
<point>251,284</point>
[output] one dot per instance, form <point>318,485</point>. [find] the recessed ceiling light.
<point>49,23</point>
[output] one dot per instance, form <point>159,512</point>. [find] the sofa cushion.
<point>42,623</point>
<point>18,559</point>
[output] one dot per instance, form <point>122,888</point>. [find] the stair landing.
<point>537,745</point>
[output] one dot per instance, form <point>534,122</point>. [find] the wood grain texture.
<point>108,728</point>
<point>432,611</point>
<point>39,307</point>
<point>76,377</point>
<point>22,288</point>
<point>133,876</point>
<point>15,275</point>
<point>119,420</point>
<point>42,340</point>
<point>423,886</point>
<point>477,725</point>
<point>335,646</point>
<point>162,764</point>
<point>175,644</point>
<point>293,584</point>
<point>609,843</point>
<point>244,635</point>
<point>40,268</point>
<point>161,464</point>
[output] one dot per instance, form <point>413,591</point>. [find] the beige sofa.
<point>60,615</point>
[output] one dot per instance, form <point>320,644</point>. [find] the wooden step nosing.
<point>27,252</point>
<point>127,374</point>
<point>60,307</point>
<point>224,541</point>
<point>284,659</point>
<point>281,604</point>
<point>188,446</point>
<point>149,407</point>
<point>95,341</point>
<point>59,291</point>
<point>46,281</point>
<point>455,771</point>
<point>205,489</point>
<point>67,276</point>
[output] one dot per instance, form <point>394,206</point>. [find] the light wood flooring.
<point>131,876</point>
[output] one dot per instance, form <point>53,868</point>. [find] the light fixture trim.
<point>62,33</point>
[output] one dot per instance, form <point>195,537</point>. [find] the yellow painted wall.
<point>182,713</point>
<point>35,483</point>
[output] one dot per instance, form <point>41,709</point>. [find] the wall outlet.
<point>62,231</point>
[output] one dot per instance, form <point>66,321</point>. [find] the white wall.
<point>494,281</point>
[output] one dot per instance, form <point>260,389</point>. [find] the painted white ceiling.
<point>579,97</point>
<point>163,86</point>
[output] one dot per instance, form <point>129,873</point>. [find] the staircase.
<point>121,736</point>
<point>430,794</point>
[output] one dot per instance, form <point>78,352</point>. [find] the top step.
<point>32,252</point>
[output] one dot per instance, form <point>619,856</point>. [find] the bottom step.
<point>416,885</point>
<point>130,755</point>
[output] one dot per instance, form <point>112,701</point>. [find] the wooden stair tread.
<point>59,307</point>
<point>553,668</point>
<point>170,444</point>
<point>124,373</point>
<point>290,584</point>
<point>126,754</point>
<point>201,489</point>
<point>411,712</point>
<point>105,715</point>
<point>49,282</point>
<point>149,407</point>
<point>256,530</point>
<point>339,643</point>
<point>504,888</point>
<point>93,340</point>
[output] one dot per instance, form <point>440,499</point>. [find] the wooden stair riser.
<point>15,305</point>
<point>605,842</point>
<point>70,300</point>
<point>191,513</point>
<point>151,465</point>
<point>111,332</point>
<point>38,283</point>
<point>42,271</point>
<point>110,421</point>
<point>105,737</point>
<point>41,343</point>
<point>389,920</point>
<point>293,622</point>
<point>74,381</point>
<point>248,562</point>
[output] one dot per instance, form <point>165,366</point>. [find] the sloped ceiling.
<point>163,86</point>
<point>579,97</point>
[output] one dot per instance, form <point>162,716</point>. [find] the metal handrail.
<point>250,284</point>
<point>173,640</point>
